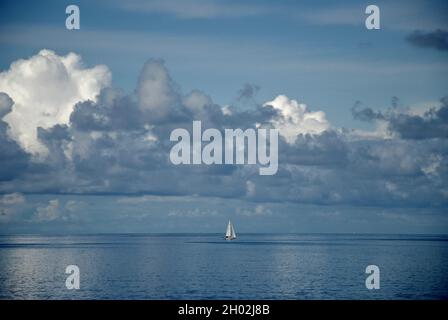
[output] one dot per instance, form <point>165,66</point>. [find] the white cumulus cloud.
<point>296,119</point>
<point>45,89</point>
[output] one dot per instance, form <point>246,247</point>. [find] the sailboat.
<point>230,232</point>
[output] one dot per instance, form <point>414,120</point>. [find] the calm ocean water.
<point>255,266</point>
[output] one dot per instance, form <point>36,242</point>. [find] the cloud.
<point>13,160</point>
<point>433,124</point>
<point>72,205</point>
<point>437,39</point>
<point>365,114</point>
<point>248,91</point>
<point>6,104</point>
<point>10,205</point>
<point>44,89</point>
<point>258,211</point>
<point>157,93</point>
<point>12,199</point>
<point>192,213</point>
<point>196,101</point>
<point>295,119</point>
<point>118,144</point>
<point>54,210</point>
<point>49,212</point>
<point>409,124</point>
<point>250,188</point>
<point>113,110</point>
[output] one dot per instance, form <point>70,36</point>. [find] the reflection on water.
<point>255,266</point>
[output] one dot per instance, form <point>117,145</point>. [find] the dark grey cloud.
<point>248,91</point>
<point>329,149</point>
<point>365,114</point>
<point>332,168</point>
<point>13,160</point>
<point>431,124</point>
<point>113,111</point>
<point>5,104</point>
<point>437,39</point>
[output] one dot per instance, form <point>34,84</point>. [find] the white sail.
<point>233,234</point>
<point>230,232</point>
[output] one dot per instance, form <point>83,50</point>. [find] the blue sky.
<point>371,170</point>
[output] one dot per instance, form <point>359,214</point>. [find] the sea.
<point>205,266</point>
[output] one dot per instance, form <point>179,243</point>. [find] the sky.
<point>86,115</point>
